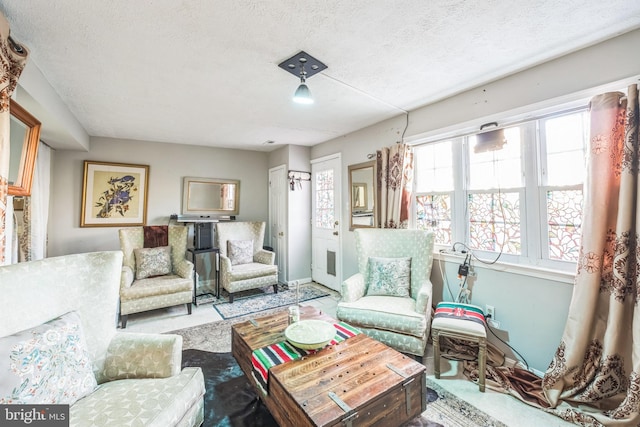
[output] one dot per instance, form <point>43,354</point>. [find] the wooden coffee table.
<point>358,382</point>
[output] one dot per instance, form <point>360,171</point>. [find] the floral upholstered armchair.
<point>390,297</point>
<point>154,277</point>
<point>244,264</point>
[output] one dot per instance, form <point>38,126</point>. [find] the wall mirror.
<point>362,195</point>
<point>210,196</point>
<point>24,132</point>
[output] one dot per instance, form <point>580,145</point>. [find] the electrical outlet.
<point>494,324</point>
<point>490,311</point>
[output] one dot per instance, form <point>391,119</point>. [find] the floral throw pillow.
<point>152,262</point>
<point>240,251</point>
<point>389,276</point>
<point>48,364</point>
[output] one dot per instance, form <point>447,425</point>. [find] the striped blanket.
<point>272,355</point>
<point>459,311</point>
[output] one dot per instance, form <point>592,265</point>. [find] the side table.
<point>194,253</point>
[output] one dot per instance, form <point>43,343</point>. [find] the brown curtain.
<point>597,364</point>
<point>13,58</point>
<point>395,178</point>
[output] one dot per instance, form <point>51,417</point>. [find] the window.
<point>513,193</point>
<point>435,186</point>
<point>562,175</point>
<point>495,188</point>
<point>325,206</point>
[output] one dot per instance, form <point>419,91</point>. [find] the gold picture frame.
<point>114,194</point>
<point>24,138</point>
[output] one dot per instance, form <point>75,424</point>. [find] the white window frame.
<point>533,215</point>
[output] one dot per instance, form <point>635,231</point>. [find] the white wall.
<point>169,163</point>
<point>532,310</point>
<point>299,215</point>
<point>298,232</point>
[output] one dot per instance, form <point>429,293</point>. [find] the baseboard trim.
<point>301,281</point>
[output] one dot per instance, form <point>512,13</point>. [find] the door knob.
<point>335,223</point>
<point>335,233</point>
<point>281,233</point>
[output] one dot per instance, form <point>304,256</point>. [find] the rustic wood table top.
<point>359,381</point>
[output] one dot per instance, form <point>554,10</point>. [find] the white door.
<point>326,199</point>
<point>277,219</point>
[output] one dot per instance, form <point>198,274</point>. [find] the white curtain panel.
<point>35,216</point>
<point>11,233</point>
<point>40,203</point>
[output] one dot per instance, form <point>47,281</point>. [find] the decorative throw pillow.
<point>240,251</point>
<point>389,276</point>
<point>152,262</point>
<point>48,364</point>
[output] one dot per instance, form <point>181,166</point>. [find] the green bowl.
<point>310,334</point>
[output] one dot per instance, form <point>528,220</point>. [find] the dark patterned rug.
<point>230,400</point>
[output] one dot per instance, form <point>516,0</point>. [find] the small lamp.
<point>492,140</point>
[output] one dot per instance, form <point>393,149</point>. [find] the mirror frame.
<point>191,210</point>
<point>374,192</point>
<point>22,185</point>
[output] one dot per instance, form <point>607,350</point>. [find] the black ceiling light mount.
<point>303,66</point>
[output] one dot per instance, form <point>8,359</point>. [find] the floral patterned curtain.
<point>395,178</point>
<point>594,378</point>
<point>13,58</point>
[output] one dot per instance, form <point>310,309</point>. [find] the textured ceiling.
<point>205,72</point>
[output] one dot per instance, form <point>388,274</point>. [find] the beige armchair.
<point>154,279</point>
<point>390,297</point>
<point>244,264</point>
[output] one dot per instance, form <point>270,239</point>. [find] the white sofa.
<point>139,376</point>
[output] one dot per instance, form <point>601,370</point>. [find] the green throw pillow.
<point>389,276</point>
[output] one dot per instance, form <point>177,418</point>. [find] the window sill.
<point>521,269</point>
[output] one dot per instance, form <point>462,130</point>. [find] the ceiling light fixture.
<point>296,66</point>
<point>303,94</point>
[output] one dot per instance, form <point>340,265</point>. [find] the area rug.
<point>231,401</point>
<point>260,300</point>
<point>224,295</point>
